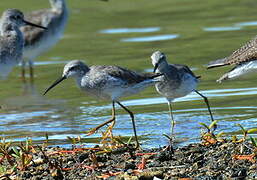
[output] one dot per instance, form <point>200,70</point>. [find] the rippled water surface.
<point>96,33</point>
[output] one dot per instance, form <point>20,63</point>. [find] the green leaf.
<point>242,128</point>
<point>254,141</point>
<point>119,140</point>
<point>73,140</point>
<point>204,125</point>
<point>129,140</point>
<point>220,134</point>
<point>167,136</point>
<point>234,138</point>
<point>213,124</point>
<point>16,156</point>
<point>252,130</point>
<point>15,150</point>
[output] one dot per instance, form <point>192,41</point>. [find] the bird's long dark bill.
<point>155,67</point>
<point>54,84</point>
<point>31,24</point>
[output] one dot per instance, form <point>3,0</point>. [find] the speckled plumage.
<point>248,52</point>
<point>240,58</point>
<point>38,41</point>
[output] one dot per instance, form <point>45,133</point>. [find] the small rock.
<point>129,165</point>
<point>82,157</point>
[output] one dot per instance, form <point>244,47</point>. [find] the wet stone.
<point>165,156</point>
<point>129,165</point>
<point>83,156</point>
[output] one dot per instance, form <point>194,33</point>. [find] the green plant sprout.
<point>75,140</point>
<point>210,128</point>
<point>23,159</point>
<point>5,151</point>
<point>246,131</point>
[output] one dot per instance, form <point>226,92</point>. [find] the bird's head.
<point>72,69</point>
<point>158,59</point>
<point>16,18</point>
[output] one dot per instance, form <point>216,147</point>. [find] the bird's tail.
<point>217,63</point>
<point>156,77</point>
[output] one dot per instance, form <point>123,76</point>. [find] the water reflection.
<point>130,30</point>
<point>151,38</point>
<point>232,28</point>
<point>40,63</point>
<point>250,23</point>
<point>191,97</point>
<point>58,125</point>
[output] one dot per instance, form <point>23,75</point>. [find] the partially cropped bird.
<point>177,81</point>
<point>11,40</point>
<point>244,59</point>
<point>107,82</point>
<point>38,41</point>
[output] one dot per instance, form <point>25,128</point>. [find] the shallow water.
<point>151,38</point>
<point>95,34</point>
<point>130,30</point>
<point>232,28</point>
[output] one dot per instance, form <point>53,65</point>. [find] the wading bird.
<point>11,40</point>
<point>177,81</point>
<point>38,41</point>
<point>107,82</point>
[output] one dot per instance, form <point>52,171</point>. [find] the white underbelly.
<point>171,92</point>
<point>243,69</point>
<point>42,46</point>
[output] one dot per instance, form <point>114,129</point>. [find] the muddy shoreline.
<point>210,159</point>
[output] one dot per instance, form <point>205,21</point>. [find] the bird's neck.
<point>163,67</point>
<point>7,29</point>
<point>78,79</point>
<point>59,7</point>
<point>80,75</point>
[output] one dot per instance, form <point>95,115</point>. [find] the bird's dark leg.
<point>92,131</point>
<point>23,66</point>
<point>133,122</point>
<point>207,103</point>
<point>31,70</point>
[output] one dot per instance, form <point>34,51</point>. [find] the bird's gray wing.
<point>125,75</point>
<point>185,69</point>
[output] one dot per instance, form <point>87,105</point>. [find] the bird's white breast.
<point>243,69</point>
<point>171,91</point>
